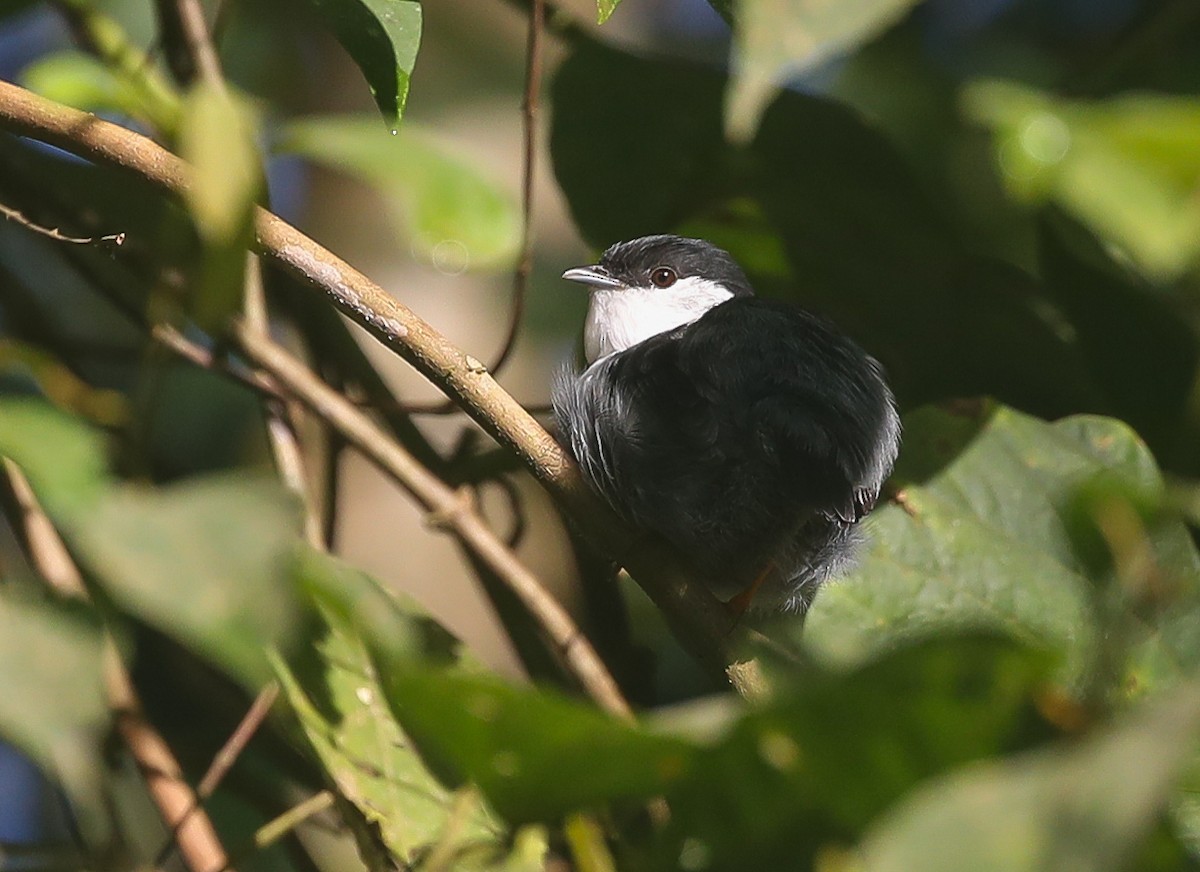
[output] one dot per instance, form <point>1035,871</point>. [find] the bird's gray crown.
<point>633,262</point>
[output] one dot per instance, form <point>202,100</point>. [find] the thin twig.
<point>177,804</point>
<point>189,16</point>
<point>449,509</point>
<point>701,623</point>
<point>53,233</point>
<point>529,107</point>
<point>228,754</point>
<point>520,283</point>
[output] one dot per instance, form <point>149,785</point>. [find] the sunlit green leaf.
<point>1128,167</point>
<point>218,139</point>
<point>206,562</point>
<point>778,39</point>
<point>1082,807</point>
<point>453,214</point>
<point>62,456</point>
<point>382,36</point>
<point>604,9</point>
<point>82,81</point>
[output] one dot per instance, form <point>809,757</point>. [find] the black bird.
<point>752,435</point>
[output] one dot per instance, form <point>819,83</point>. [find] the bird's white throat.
<point>618,318</point>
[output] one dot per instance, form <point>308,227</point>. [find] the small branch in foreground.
<point>448,508</point>
<point>53,233</point>
<point>198,842</point>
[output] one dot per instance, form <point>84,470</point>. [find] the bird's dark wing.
<point>724,434</point>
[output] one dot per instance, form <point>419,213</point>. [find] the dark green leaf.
<point>1082,807</point>
<point>206,562</point>
<point>636,144</point>
<point>382,36</point>
<point>815,766</point>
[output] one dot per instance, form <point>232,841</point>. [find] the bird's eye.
<point>663,277</point>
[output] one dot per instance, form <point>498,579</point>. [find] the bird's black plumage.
<point>755,436</point>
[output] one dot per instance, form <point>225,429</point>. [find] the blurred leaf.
<point>455,216</point>
<point>604,9</point>
<point>1138,342</point>
<point>534,754</point>
<point>53,706</point>
<point>63,458</point>
<point>218,139</point>
<point>985,542</point>
<point>636,144</point>
<point>1128,167</point>
<point>1082,807</point>
<point>815,766</point>
<point>82,81</point>
<point>382,37</point>
<point>863,243</point>
<point>868,249</point>
<point>779,39</point>
<point>206,562</point>
<point>61,386</point>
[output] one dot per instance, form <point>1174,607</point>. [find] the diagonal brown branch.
<point>448,508</point>
<point>178,805</point>
<point>701,623</point>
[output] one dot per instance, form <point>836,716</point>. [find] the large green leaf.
<point>206,562</point>
<point>53,706</point>
<point>778,39</point>
<point>1083,807</point>
<point>983,537</point>
<point>336,693</point>
<point>63,457</point>
<point>1129,167</point>
<point>454,215</point>
<point>382,36</point>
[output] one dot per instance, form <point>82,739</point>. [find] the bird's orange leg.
<point>741,602</point>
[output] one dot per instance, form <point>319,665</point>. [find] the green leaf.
<point>217,138</point>
<point>779,39</point>
<point>63,458</point>
<point>80,80</point>
<point>605,9</point>
<point>382,37</point>
<point>53,706</point>
<point>337,696</point>
<point>206,562</point>
<point>454,215</point>
<point>636,144</point>
<point>534,754</point>
<point>1082,807</point>
<point>981,537</point>
<point>1127,167</point>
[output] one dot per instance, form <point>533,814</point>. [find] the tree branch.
<point>177,803</point>
<point>448,508</point>
<point>701,623</point>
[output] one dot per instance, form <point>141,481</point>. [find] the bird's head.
<point>650,285</point>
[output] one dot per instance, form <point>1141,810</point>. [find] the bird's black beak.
<point>592,276</point>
